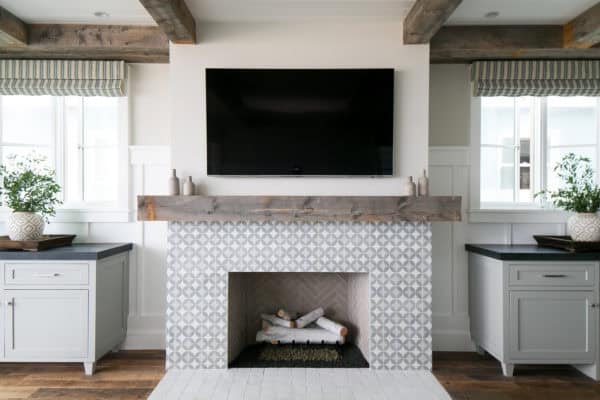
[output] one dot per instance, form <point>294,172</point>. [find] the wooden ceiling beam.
<point>425,18</point>
<point>460,44</point>
<point>144,44</point>
<point>13,31</point>
<point>584,30</point>
<point>174,18</point>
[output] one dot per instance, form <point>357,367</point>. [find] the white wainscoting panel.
<point>150,172</point>
<point>450,175</point>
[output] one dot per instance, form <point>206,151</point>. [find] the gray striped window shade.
<point>536,78</point>
<point>63,78</point>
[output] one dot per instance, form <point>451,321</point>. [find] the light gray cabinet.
<point>63,310</point>
<point>535,312</point>
<point>46,324</point>
<point>552,326</point>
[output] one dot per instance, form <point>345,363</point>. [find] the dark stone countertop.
<point>78,251</point>
<point>529,252</point>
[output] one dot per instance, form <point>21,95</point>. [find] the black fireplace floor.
<point>266,355</point>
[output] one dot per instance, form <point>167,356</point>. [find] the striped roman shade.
<point>536,78</point>
<point>62,78</point>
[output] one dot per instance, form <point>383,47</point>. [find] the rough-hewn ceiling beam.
<point>458,44</point>
<point>584,30</point>
<point>145,44</point>
<point>13,31</point>
<point>174,18</point>
<point>425,18</point>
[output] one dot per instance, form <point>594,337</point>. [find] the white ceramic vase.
<point>25,226</point>
<point>584,227</point>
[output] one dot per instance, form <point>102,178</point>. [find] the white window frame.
<point>510,212</point>
<point>117,211</point>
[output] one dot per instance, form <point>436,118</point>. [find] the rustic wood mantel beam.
<point>174,18</point>
<point>584,30</point>
<point>425,18</point>
<point>299,208</point>
<point>13,31</point>
<point>459,44</point>
<point>145,44</point>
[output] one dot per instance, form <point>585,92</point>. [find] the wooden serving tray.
<point>45,243</point>
<point>566,243</point>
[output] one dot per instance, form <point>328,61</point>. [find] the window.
<point>522,139</point>
<point>80,137</point>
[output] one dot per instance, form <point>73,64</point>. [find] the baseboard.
<point>452,341</point>
<point>144,340</point>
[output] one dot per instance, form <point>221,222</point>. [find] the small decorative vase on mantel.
<point>584,227</point>
<point>578,194</point>
<point>29,189</point>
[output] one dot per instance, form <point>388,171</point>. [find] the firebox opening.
<point>334,334</point>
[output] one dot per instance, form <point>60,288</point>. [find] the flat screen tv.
<point>300,122</point>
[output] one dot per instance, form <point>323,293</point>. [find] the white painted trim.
<point>451,340</point>
<point>525,216</point>
<point>83,215</point>
<point>475,127</point>
<point>144,339</point>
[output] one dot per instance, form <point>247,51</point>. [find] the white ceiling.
<point>132,12</point>
<point>540,12</point>
<point>79,11</point>
<point>263,10</point>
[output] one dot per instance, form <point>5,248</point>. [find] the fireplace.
<point>344,298</point>
<point>386,264</point>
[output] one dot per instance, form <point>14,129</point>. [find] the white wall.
<point>449,105</point>
<point>299,45</point>
<point>149,104</point>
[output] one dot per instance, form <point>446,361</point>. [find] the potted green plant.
<point>30,190</point>
<point>578,194</point>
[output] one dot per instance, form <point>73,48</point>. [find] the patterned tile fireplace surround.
<point>396,255</point>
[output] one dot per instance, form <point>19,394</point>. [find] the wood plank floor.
<point>130,375</point>
<point>468,376</point>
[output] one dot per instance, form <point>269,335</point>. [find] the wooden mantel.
<point>299,208</point>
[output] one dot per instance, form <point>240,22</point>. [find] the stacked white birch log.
<point>291,327</point>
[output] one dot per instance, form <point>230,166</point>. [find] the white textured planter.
<point>584,227</point>
<point>25,226</point>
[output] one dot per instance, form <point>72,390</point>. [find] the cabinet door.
<point>46,324</point>
<point>552,326</point>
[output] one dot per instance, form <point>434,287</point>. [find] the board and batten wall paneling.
<point>449,174</point>
<point>146,330</point>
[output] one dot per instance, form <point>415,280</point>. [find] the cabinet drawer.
<point>553,274</point>
<point>45,274</point>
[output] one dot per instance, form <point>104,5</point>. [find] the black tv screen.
<point>300,122</point>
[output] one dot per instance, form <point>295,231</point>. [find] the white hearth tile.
<point>298,384</point>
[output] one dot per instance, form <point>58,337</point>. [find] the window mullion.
<point>58,145</point>
<point>543,143</point>
<point>598,140</point>
<point>1,130</point>
<point>516,152</point>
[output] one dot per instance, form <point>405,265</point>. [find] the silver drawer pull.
<point>554,276</point>
<point>54,275</point>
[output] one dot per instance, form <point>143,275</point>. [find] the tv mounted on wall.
<point>300,122</point>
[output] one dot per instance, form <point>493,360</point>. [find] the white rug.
<point>298,384</point>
